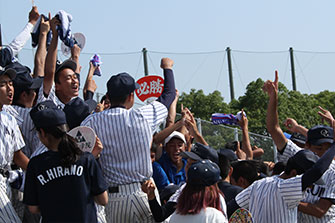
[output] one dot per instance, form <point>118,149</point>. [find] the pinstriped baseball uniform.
<point>272,199</point>
<point>312,195</point>
<point>126,136</point>
<point>52,96</point>
<point>27,128</point>
<point>11,110</point>
<point>10,141</point>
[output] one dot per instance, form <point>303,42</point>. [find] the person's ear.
<point>230,171</point>
<point>293,173</point>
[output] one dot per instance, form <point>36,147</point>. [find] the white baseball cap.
<point>175,134</point>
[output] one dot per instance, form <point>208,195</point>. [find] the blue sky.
<point>118,27</point>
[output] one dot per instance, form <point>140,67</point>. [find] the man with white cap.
<point>171,161</point>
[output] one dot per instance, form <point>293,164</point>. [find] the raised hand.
<point>291,124</point>
<point>33,15</point>
<point>271,87</point>
<point>166,63</point>
<point>44,26</point>
<point>326,115</point>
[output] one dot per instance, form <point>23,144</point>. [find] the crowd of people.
<point>145,166</point>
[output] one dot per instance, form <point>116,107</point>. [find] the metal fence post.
<point>199,125</point>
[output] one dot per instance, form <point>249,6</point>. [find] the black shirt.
<point>64,194</point>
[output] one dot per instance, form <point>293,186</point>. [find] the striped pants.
<point>130,204</point>
<point>7,212</point>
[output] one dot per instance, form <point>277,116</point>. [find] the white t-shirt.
<point>208,215</point>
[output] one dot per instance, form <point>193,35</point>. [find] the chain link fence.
<point>218,135</point>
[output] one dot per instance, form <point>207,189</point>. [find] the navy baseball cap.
<point>120,85</point>
<point>299,138</point>
<point>77,110</point>
<point>8,71</point>
<point>200,152</point>
<point>167,192</point>
<point>23,79</point>
<point>71,64</point>
<point>47,114</point>
<point>304,160</point>
<point>320,134</point>
<point>203,173</point>
<point>229,154</point>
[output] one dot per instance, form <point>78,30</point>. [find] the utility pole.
<point>145,61</point>
<point>230,73</point>
<point>294,84</point>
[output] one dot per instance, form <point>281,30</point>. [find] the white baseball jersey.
<point>313,195</point>
<point>10,141</point>
<point>272,199</point>
<point>126,135</point>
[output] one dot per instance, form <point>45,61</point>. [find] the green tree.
<point>203,106</point>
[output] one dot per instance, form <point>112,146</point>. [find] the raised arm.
<point>169,92</point>
<point>75,53</point>
<point>162,135</point>
<point>51,59</point>
<point>172,111</point>
<point>246,147</point>
<point>20,40</point>
<point>293,126</point>
<point>41,49</point>
<point>90,85</point>
<point>272,120</point>
<point>191,126</point>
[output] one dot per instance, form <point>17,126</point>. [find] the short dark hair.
<point>278,168</point>
<point>224,165</point>
<point>291,165</point>
<point>17,94</point>
<point>246,169</point>
<point>118,100</point>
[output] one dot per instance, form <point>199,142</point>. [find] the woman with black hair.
<point>62,183</point>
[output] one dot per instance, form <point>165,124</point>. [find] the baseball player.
<point>318,204</point>
<point>126,135</point>
<point>276,199</point>
<point>11,143</point>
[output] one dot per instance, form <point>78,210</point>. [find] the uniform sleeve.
<point>291,192</point>
<point>11,110</point>
<point>290,149</point>
<point>169,92</point>
<point>243,198</point>
<point>18,141</point>
<point>20,40</point>
<point>155,113</point>
<point>30,196</point>
<point>98,182</point>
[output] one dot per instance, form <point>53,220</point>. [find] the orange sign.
<point>150,86</point>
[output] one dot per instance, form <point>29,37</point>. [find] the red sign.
<point>150,86</point>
